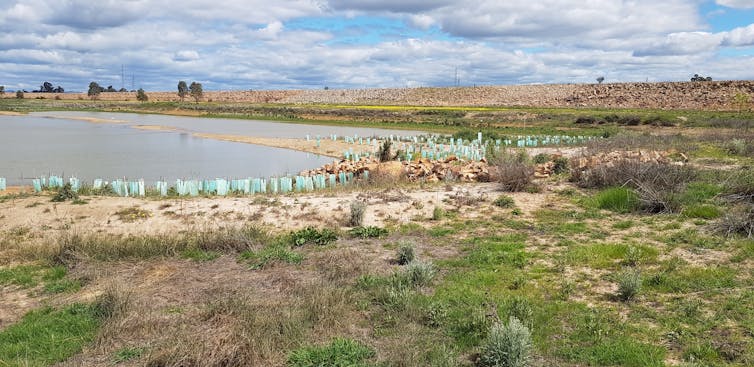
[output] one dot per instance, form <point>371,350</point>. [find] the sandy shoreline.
<point>11,113</point>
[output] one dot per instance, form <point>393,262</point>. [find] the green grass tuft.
<point>617,199</point>
<point>340,352</point>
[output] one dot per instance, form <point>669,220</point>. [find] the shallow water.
<point>36,145</point>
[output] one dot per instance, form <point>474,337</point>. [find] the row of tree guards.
<point>441,147</point>
<point>219,186</point>
<point>407,148</point>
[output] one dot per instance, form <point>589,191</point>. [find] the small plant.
<point>520,308</point>
<point>65,193</point>
<point>269,255</point>
<point>340,352</point>
<point>357,213</point>
<point>507,345</point>
<point>133,214</point>
<point>629,284</point>
<point>518,282</point>
<point>405,253</point>
<point>420,273</point>
<point>633,256</point>
<point>514,171</point>
<point>321,237</point>
<point>438,213</point>
<point>20,94</point>
<point>368,232</point>
<point>384,153</point>
<point>541,158</point>
<point>560,165</point>
<point>127,354</point>
<point>504,201</point>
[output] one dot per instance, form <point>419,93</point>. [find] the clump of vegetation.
<point>384,153</point>
<point>739,220</point>
<point>629,284</point>
<point>133,214</point>
<point>65,193</point>
<point>141,96</point>
<point>269,255</point>
<point>358,208</point>
<point>405,253</point>
<point>541,158</point>
<point>560,165</point>
<point>438,213</point>
<point>322,237</point>
<point>419,273</point>
<point>617,199</point>
<point>514,171</point>
<point>368,232</point>
<point>340,352</point>
<point>504,201</point>
<point>507,345</point>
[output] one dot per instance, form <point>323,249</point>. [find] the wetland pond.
<point>91,145</point>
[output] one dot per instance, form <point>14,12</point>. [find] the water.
<point>35,145</point>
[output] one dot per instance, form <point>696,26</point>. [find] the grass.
<point>617,199</point>
<point>340,352</point>
<point>272,254</point>
<point>46,336</point>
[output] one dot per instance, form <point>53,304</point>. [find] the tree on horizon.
<point>196,91</point>
<point>94,90</point>
<point>141,96</point>
<point>182,90</point>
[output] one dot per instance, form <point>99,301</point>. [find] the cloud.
<point>737,4</point>
<point>186,55</point>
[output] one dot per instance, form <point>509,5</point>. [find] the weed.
<point>126,354</point>
<point>368,232</point>
<point>438,213</point>
<point>701,211</point>
<point>65,193</point>
<point>626,224</point>
<point>629,284</point>
<point>507,345</point>
<point>132,214</point>
<point>738,221</point>
<point>405,253</point>
<point>358,208</point>
<point>271,254</point>
<point>504,201</point>
<point>322,237</point>
<point>560,165</point>
<point>196,254</point>
<point>633,256</point>
<point>340,352</point>
<point>519,281</point>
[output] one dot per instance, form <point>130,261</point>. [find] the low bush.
<point>438,213</point>
<point>514,171</point>
<point>541,158</point>
<point>504,201</point>
<point>507,345</point>
<point>739,220</point>
<point>405,253</point>
<point>629,284</point>
<point>65,193</point>
<point>357,213</point>
<point>560,165</point>
<point>322,237</point>
<point>368,232</point>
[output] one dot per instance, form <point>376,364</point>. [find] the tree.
<point>699,78</point>
<point>141,96</point>
<point>110,89</point>
<point>600,80</point>
<point>46,87</point>
<point>20,94</point>
<point>195,89</point>
<point>182,90</point>
<point>2,90</point>
<point>122,90</point>
<point>58,89</point>
<point>94,90</point>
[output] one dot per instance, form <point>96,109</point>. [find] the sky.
<point>312,44</point>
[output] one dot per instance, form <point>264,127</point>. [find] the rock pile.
<point>611,158</point>
<point>422,169</point>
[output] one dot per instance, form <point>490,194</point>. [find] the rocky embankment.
<point>676,95</point>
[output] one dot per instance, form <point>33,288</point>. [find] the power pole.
<point>122,76</point>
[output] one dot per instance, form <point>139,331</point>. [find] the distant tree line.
<point>46,87</point>
<point>699,78</point>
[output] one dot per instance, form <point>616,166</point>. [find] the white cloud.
<point>737,4</point>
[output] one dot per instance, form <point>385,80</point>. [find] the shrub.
<point>504,201</point>
<point>560,165</point>
<point>617,199</point>
<point>659,186</point>
<point>738,221</point>
<point>405,253</point>
<point>340,352</point>
<point>515,173</point>
<point>321,237</point>
<point>507,345</point>
<point>629,284</point>
<point>541,158</point>
<point>20,94</point>
<point>384,153</point>
<point>368,232</point>
<point>419,273</point>
<point>357,213</point>
<point>438,213</point>
<point>65,193</point>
